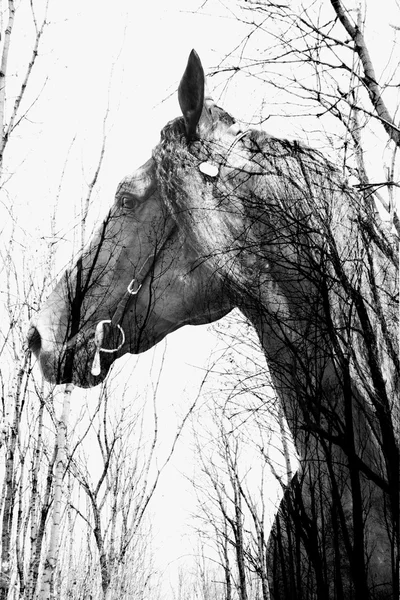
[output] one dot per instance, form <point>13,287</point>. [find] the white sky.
<point>147,45</point>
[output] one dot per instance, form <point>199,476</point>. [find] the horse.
<point>221,217</point>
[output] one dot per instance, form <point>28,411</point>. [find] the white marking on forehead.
<point>209,169</point>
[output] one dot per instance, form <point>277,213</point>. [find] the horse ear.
<point>191,93</point>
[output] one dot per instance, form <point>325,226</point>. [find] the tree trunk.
<point>47,586</point>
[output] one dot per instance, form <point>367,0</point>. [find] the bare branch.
<point>369,79</point>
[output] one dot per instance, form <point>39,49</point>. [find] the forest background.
<point>154,456</point>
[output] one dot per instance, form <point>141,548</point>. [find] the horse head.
<point>142,275</point>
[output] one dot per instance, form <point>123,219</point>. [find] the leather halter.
<point>136,283</point>
<point>131,292</point>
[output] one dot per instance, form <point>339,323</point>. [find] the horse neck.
<point>295,338</point>
<point>311,384</point>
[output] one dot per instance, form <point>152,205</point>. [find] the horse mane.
<point>266,183</point>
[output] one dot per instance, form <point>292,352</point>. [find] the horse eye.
<point>127,202</point>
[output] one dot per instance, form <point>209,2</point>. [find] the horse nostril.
<point>34,340</point>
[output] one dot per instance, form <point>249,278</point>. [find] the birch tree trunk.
<point>47,586</point>
<point>10,484</point>
<point>3,74</point>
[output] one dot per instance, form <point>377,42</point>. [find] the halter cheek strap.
<point>131,292</point>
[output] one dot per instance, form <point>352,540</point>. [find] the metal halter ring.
<point>99,334</point>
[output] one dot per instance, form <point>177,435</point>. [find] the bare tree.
<point>11,118</point>
<point>235,496</point>
<point>315,59</point>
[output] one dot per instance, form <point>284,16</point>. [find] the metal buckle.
<point>130,289</point>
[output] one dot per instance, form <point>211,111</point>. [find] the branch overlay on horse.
<point>223,217</point>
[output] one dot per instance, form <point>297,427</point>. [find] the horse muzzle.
<point>62,363</point>
<point>48,355</point>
